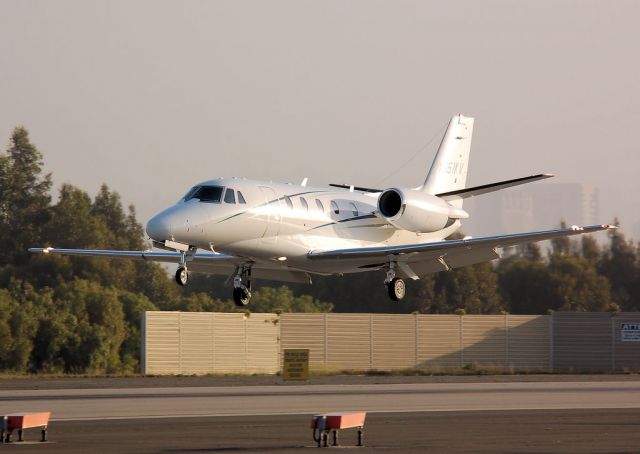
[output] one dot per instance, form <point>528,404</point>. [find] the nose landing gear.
<point>182,274</point>
<point>242,292</point>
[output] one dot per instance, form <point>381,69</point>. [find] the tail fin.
<point>449,169</point>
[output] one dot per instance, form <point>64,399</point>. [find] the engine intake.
<point>390,203</point>
<point>416,211</point>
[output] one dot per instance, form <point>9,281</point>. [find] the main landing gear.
<point>182,276</point>
<point>395,286</point>
<point>242,292</point>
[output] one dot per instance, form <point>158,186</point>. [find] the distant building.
<point>533,207</point>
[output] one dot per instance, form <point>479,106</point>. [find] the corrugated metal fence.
<point>197,343</point>
<point>384,342</point>
<point>200,343</point>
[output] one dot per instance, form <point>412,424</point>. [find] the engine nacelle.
<point>417,211</point>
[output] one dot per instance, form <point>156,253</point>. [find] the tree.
<point>529,251</point>
<point>561,245</point>
<point>20,306</point>
<point>525,286</point>
<point>282,299</point>
<point>24,199</point>
<point>99,328</point>
<point>107,208</point>
<point>472,288</point>
<point>576,285</point>
<point>620,265</point>
<point>133,305</point>
<point>590,249</point>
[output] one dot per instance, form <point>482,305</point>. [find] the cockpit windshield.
<point>205,194</point>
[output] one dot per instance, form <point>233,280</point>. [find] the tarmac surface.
<point>553,431</point>
<point>594,414</point>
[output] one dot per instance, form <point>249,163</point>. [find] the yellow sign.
<point>295,365</point>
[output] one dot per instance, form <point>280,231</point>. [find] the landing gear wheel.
<point>396,289</point>
<point>241,296</point>
<point>182,276</point>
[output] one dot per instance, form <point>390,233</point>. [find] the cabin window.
<point>288,202</point>
<point>241,198</point>
<point>320,205</point>
<point>211,194</point>
<point>334,207</point>
<point>230,196</point>
<point>354,208</point>
<point>305,205</point>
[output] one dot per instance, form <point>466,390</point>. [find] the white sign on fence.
<point>630,332</point>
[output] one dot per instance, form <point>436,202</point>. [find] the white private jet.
<point>258,229</point>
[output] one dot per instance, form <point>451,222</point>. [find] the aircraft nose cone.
<point>159,228</point>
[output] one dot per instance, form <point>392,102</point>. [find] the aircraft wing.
<point>203,262</point>
<point>153,256</point>
<point>423,258</point>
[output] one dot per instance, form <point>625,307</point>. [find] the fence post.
<point>461,340</point>
<point>179,342</point>
<point>370,341</point>
<point>326,344</point>
<point>143,342</point>
<point>551,343</point>
<point>613,343</point>
<point>506,339</point>
<point>213,343</point>
<point>416,342</point>
<point>246,343</point>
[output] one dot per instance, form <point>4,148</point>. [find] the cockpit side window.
<point>189,194</point>
<point>241,198</point>
<point>230,196</point>
<point>212,194</point>
<point>288,202</point>
<point>305,205</point>
<point>320,205</point>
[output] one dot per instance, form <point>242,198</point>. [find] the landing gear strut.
<point>242,292</point>
<point>395,286</point>
<point>182,274</point>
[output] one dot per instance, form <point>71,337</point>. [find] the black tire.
<point>397,289</point>
<point>182,276</point>
<point>241,296</point>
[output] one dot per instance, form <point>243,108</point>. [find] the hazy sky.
<point>153,96</point>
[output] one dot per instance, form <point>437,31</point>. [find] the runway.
<point>528,417</point>
<point>84,404</point>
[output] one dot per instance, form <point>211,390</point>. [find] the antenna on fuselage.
<point>304,182</point>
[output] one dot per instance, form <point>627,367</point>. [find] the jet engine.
<point>417,211</point>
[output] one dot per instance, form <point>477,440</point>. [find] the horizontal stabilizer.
<point>355,188</point>
<point>486,188</point>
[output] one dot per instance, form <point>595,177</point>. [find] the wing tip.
<point>593,228</point>
<point>42,250</point>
